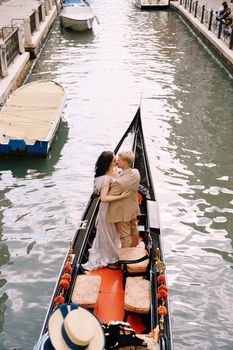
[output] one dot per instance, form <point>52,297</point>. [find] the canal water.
<point>186,100</point>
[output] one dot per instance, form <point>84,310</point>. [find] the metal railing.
<point>40,13</point>
<point>208,18</point>
<point>13,39</point>
<point>33,21</point>
<point>12,46</point>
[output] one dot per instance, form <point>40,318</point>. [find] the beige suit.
<point>124,212</point>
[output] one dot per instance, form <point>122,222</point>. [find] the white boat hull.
<point>77,25</point>
<point>77,18</point>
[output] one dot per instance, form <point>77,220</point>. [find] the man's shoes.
<point>115,266</point>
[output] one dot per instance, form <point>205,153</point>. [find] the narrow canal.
<point>188,123</point>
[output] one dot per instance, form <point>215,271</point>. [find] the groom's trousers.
<point>128,231</point>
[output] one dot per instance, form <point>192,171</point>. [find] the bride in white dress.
<point>105,248</point>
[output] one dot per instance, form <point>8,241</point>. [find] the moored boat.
<point>152,4</point>
<point>30,118</point>
<point>131,303</point>
<point>77,16</point>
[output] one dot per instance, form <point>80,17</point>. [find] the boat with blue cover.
<point>77,15</point>
<point>30,118</point>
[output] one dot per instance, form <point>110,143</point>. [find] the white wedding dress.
<point>105,248</point>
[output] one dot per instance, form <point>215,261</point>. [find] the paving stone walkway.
<point>16,9</point>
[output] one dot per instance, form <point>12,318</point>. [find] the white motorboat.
<point>77,16</point>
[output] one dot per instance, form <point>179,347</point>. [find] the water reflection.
<point>199,124</point>
<point>3,307</point>
<point>75,38</point>
<point>4,258</point>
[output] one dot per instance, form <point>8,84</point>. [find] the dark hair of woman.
<point>224,4</point>
<point>103,163</point>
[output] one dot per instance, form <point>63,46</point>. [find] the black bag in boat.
<point>119,335</point>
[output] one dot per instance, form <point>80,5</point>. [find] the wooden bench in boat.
<point>137,296</point>
<point>134,253</point>
<point>86,290</point>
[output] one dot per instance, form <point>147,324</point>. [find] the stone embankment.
<point>24,27</point>
<point>200,15</point>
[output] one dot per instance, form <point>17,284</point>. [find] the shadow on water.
<point>4,260</point>
<point>21,167</point>
<point>77,38</point>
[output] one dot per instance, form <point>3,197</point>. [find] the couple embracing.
<point>117,219</point>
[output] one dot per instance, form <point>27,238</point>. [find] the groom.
<point>124,212</point>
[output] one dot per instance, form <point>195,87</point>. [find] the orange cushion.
<point>86,290</point>
<point>133,254</point>
<point>137,295</point>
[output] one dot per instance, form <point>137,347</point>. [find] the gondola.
<point>146,264</point>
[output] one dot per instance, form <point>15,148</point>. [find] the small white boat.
<point>152,4</point>
<point>30,118</point>
<point>77,16</point>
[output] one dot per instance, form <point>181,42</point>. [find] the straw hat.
<point>71,326</point>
